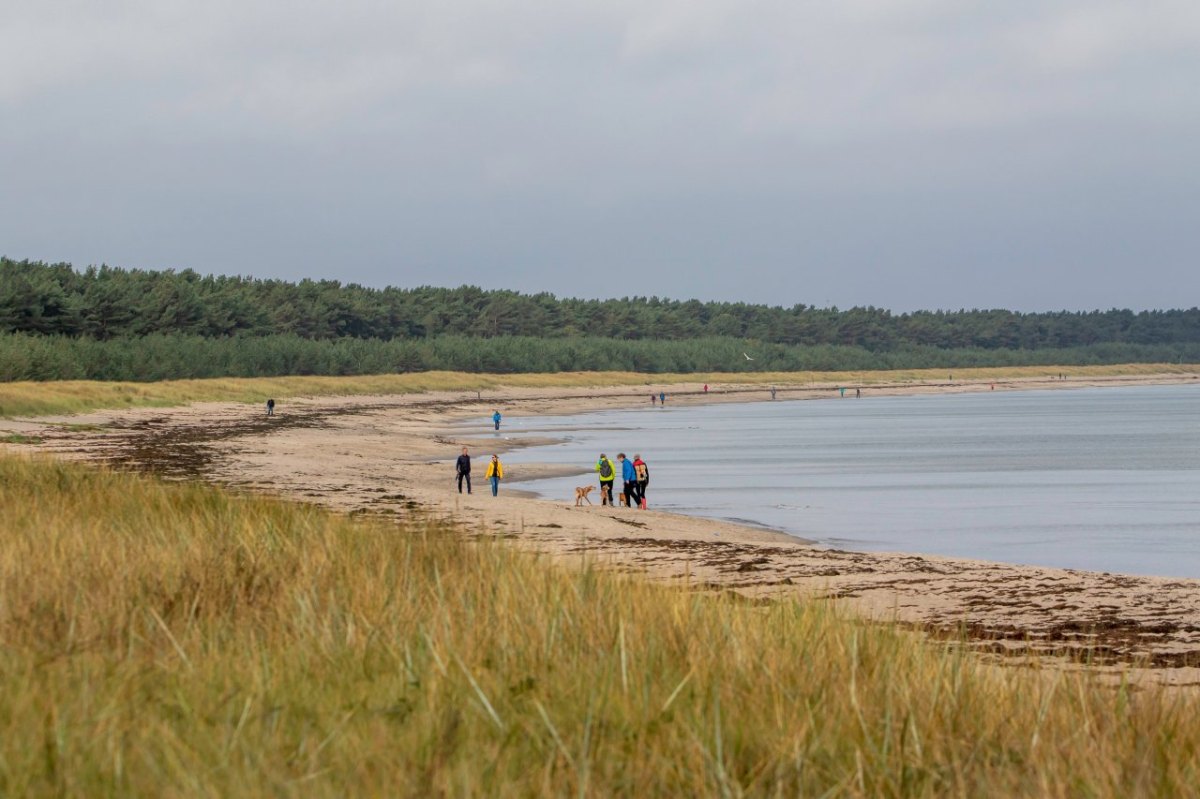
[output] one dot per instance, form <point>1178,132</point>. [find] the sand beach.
<point>393,455</point>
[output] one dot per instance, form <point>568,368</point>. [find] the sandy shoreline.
<point>394,455</point>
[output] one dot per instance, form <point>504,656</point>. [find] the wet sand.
<point>394,455</point>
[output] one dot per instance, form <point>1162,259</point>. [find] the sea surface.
<point>1103,479</point>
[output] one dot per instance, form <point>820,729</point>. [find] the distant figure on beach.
<point>706,388</point>
<point>629,477</point>
<point>643,479</point>
<point>662,398</point>
<point>857,392</point>
<point>993,386</point>
<point>462,468</point>
<point>843,390</point>
<point>495,471</point>
<point>950,376</point>
<point>607,474</point>
<point>496,419</point>
<point>653,398</point>
<point>270,407</point>
<point>772,392</point>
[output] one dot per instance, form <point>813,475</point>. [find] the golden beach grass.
<point>79,396</point>
<point>174,640</point>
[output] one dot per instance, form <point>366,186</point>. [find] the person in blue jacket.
<point>629,476</point>
<point>496,419</point>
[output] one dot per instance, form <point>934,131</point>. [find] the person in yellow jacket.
<point>495,471</point>
<point>607,474</point>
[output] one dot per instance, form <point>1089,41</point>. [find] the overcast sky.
<point>907,154</point>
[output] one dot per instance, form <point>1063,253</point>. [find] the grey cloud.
<point>919,154</point>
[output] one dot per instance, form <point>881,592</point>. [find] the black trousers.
<point>467,477</point>
<point>632,497</point>
<point>642,490</point>
<point>606,497</point>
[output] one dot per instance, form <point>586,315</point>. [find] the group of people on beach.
<point>494,473</point>
<point>495,469</point>
<point>635,474</point>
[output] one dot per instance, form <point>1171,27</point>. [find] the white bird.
<point>748,358</point>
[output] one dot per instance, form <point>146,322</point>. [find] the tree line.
<point>158,356</point>
<point>108,304</point>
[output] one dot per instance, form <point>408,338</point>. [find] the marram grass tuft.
<point>177,640</point>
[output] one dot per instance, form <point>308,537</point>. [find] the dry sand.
<point>394,455</point>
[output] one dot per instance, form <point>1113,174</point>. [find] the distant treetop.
<point>106,303</point>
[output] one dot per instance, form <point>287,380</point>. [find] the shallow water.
<point>1105,479</point>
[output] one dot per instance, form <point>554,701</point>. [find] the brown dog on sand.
<point>581,495</point>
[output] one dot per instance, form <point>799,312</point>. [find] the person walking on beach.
<point>653,398</point>
<point>772,392</point>
<point>629,477</point>
<point>463,469</point>
<point>270,407</point>
<point>643,479</point>
<point>607,474</point>
<point>496,419</point>
<point>706,388</point>
<point>495,471</point>
<point>857,393</point>
<point>662,398</point>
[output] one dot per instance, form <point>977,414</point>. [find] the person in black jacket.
<point>463,467</point>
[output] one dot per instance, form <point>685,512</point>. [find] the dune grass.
<point>23,399</point>
<point>173,640</point>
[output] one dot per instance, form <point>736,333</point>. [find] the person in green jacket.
<point>608,473</point>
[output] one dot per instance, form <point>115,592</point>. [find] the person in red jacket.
<point>642,472</point>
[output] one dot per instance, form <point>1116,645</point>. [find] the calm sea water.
<point>1101,479</point>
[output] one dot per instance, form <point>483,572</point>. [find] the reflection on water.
<point>1105,479</point>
